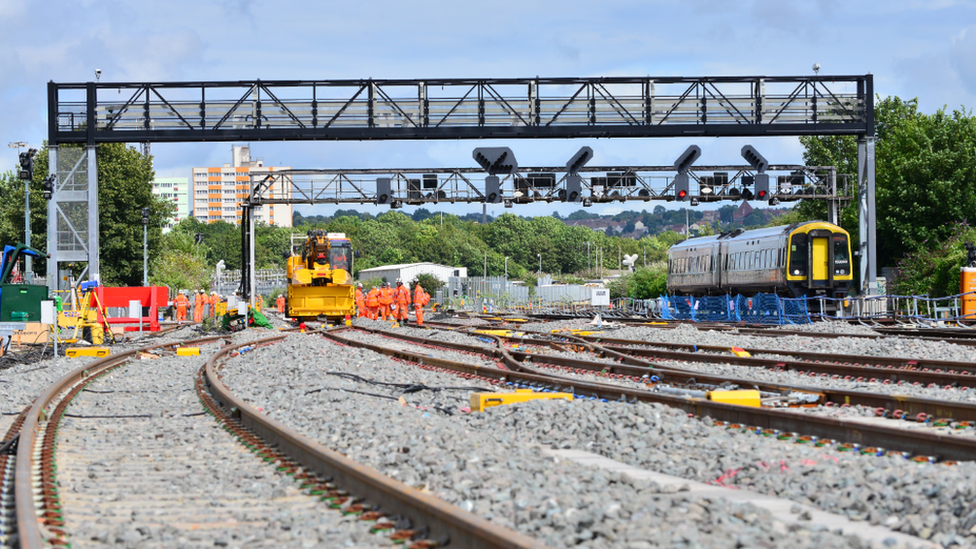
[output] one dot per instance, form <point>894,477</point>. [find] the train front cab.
<point>819,261</point>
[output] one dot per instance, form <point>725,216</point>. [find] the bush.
<point>644,283</point>
<point>934,270</point>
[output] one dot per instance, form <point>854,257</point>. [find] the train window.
<point>798,255</point>
<point>842,259</point>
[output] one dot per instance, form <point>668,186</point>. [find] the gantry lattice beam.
<point>460,108</point>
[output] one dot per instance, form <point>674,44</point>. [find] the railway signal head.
<point>579,160</point>
<point>145,216</point>
<point>681,187</point>
<point>495,160</point>
<point>756,160</point>
<point>687,158</point>
<point>762,186</point>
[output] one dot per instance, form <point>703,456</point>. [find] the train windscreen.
<point>798,255</point>
<point>842,258</point>
<point>339,256</point>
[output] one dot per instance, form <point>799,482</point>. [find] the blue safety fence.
<point>757,309</point>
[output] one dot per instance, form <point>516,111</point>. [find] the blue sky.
<point>914,48</point>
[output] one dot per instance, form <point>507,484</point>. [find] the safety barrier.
<point>763,309</point>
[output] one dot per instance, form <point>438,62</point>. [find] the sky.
<point>914,48</point>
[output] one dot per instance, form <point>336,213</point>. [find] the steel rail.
<point>944,447</point>
<point>637,368</point>
<point>447,523</point>
<point>28,525</point>
<point>854,360</point>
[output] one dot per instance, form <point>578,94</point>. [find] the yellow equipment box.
<point>480,401</point>
<point>500,333</point>
<point>188,351</point>
<point>86,351</point>
<point>739,398</point>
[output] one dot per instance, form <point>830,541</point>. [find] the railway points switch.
<point>480,401</point>
<point>86,351</point>
<point>739,398</point>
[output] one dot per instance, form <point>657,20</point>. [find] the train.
<point>319,274</point>
<point>806,259</point>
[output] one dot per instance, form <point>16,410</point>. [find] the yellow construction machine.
<point>319,277</point>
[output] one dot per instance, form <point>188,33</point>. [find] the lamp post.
<point>506,267</point>
<point>28,270</point>
<point>588,257</point>
<point>540,265</point>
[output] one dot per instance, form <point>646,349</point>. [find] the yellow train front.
<point>319,277</point>
<point>804,259</point>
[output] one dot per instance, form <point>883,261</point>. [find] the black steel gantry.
<point>457,108</point>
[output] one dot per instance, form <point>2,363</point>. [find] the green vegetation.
<point>934,270</point>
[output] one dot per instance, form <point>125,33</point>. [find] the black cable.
<point>10,447</point>
<point>388,397</point>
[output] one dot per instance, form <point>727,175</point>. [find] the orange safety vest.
<point>386,296</point>
<point>198,300</point>
<point>360,298</point>
<point>373,298</point>
<point>418,297</point>
<point>182,301</point>
<point>402,296</point>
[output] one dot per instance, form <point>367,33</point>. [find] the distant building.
<point>177,191</point>
<point>218,192</point>
<point>742,212</point>
<point>409,271</point>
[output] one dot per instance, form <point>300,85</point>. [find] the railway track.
<point>923,444</point>
<point>115,454</point>
<point>957,336</point>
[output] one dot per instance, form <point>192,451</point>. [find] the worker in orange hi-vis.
<point>280,302</point>
<point>401,296</point>
<point>198,306</point>
<point>420,299</point>
<point>213,300</point>
<point>386,300</point>
<point>373,303</point>
<point>360,301</point>
<point>181,303</point>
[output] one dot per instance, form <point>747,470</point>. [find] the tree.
<point>428,282</point>
<point>934,270</point>
<point>925,175</point>
<point>181,264</point>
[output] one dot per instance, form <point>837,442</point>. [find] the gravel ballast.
<point>140,464</point>
<point>491,463</point>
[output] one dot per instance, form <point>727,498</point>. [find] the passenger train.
<point>804,259</point>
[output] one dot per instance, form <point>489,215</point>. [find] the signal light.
<point>756,160</point>
<point>762,186</point>
<point>687,158</point>
<point>495,160</point>
<point>681,186</point>
<point>493,190</point>
<point>383,193</point>
<point>48,187</point>
<point>145,216</point>
<point>579,159</point>
<point>574,188</point>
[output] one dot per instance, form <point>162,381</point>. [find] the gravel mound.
<point>490,463</point>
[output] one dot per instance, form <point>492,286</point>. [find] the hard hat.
<point>399,281</point>
<point>360,285</point>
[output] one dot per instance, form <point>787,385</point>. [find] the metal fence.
<point>481,293</point>
<point>267,280</point>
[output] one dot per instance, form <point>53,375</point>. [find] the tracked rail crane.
<point>320,276</point>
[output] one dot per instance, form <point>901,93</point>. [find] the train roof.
<point>740,234</point>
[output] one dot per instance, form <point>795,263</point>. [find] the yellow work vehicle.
<point>319,277</point>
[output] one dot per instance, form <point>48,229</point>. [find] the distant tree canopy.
<point>925,176</point>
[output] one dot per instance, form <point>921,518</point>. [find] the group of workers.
<point>393,303</point>
<point>203,305</point>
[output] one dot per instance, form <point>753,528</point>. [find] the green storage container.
<point>21,302</point>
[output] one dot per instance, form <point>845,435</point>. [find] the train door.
<point>820,252</point>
